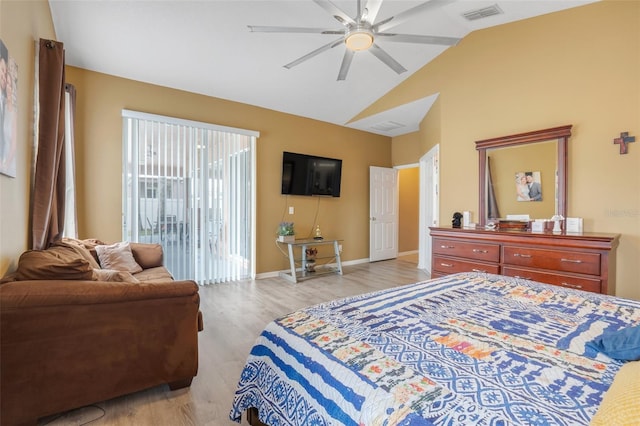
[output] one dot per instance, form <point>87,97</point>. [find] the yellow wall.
<point>409,148</point>
<point>21,24</point>
<point>101,99</point>
<point>408,209</point>
<point>580,67</point>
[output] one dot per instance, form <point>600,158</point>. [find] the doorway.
<point>383,213</point>
<point>429,204</point>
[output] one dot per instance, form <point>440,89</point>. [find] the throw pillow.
<point>90,244</point>
<point>79,248</point>
<point>147,255</point>
<point>622,345</point>
<point>117,256</point>
<point>621,403</point>
<point>55,263</point>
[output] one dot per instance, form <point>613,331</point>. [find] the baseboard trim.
<point>277,273</point>
<point>273,274</point>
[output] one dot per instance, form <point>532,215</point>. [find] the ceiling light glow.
<point>359,40</point>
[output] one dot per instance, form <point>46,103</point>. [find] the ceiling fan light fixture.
<point>360,39</point>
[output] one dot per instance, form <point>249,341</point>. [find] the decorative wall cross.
<point>623,140</point>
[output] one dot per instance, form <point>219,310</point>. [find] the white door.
<point>429,204</point>
<point>383,213</point>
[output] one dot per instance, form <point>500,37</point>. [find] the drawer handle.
<point>522,278</point>
<point>478,270</point>
<point>521,255</point>
<point>571,260</point>
<point>448,265</point>
<point>447,247</point>
<point>480,251</point>
<point>578,286</point>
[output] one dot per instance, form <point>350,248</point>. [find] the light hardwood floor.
<point>234,315</point>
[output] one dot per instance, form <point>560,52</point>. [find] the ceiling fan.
<point>361,32</point>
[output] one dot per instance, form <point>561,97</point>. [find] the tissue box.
<point>573,224</point>
<point>466,219</point>
<point>538,226</point>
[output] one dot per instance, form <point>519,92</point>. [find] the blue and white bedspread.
<point>466,349</point>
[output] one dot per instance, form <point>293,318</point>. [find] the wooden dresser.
<point>584,261</point>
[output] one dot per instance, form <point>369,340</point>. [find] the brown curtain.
<point>47,214</point>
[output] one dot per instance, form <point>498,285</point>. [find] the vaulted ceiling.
<point>206,47</point>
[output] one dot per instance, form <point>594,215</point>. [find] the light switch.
<point>290,209</point>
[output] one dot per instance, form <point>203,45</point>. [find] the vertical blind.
<point>190,186</point>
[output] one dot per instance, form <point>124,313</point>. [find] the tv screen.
<point>310,175</point>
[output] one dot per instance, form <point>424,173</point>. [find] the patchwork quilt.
<point>465,349</point>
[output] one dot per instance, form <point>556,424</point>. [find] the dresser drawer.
<point>580,283</point>
<point>557,260</point>
<point>448,265</point>
<point>468,250</point>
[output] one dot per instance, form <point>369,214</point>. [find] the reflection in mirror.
<point>523,174</point>
<point>523,178</point>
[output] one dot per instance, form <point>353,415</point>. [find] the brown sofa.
<point>67,343</point>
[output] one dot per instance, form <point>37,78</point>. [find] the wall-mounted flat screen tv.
<point>310,175</point>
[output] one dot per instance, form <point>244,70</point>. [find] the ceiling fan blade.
<point>346,63</point>
<point>336,12</point>
<point>314,53</point>
<point>266,29</point>
<point>386,58</point>
<point>426,39</point>
<point>370,11</point>
<point>408,14</point>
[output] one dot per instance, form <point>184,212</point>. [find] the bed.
<point>468,348</point>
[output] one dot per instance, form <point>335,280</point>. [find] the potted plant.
<point>286,233</point>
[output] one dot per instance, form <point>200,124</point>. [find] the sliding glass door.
<point>191,187</point>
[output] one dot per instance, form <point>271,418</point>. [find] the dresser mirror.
<point>523,174</point>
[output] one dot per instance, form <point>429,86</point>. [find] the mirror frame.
<point>561,133</point>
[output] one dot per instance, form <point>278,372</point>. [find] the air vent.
<point>387,126</point>
<point>485,12</point>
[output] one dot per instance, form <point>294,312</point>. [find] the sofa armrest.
<point>147,255</point>
<point>21,294</point>
<point>66,344</point>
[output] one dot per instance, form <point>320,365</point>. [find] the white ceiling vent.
<point>387,126</point>
<point>485,12</point>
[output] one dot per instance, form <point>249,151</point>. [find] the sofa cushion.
<point>118,257</point>
<point>57,262</point>
<point>111,275</point>
<point>157,274</point>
